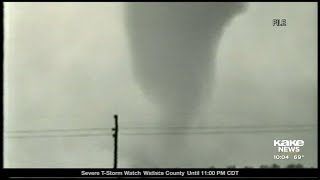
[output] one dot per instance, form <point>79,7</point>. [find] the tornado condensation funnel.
<point>173,47</point>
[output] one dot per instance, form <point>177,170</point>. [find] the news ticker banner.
<point>103,173</point>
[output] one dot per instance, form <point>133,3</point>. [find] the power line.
<point>221,132</point>
<point>56,130</point>
<point>223,127</point>
<point>57,136</point>
<point>163,127</point>
<point>168,133</point>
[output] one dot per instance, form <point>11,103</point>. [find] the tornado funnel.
<point>173,47</point>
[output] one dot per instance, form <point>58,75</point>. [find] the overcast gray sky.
<point>69,65</point>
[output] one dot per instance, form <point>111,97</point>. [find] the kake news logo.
<point>288,146</point>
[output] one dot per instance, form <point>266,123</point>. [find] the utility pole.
<point>115,136</point>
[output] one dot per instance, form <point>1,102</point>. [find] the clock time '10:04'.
<point>281,157</point>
